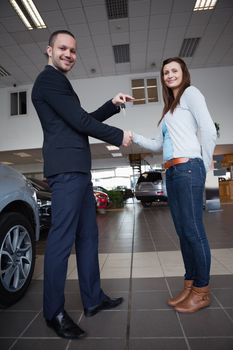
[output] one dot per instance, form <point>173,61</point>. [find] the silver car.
<point>151,187</point>
<point>19,229</point>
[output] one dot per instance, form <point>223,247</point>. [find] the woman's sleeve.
<point>207,131</point>
<point>153,145</point>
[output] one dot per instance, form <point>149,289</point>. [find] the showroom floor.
<point>139,260</point>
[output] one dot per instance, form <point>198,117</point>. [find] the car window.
<point>150,177</point>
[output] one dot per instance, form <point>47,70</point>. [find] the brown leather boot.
<point>197,299</point>
<point>183,294</point>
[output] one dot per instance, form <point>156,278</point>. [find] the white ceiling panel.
<point>53,18</point>
<point>122,68</point>
<point>120,38</point>
<point>161,6</point>
<point>138,36</point>
<point>99,27</point>
<point>195,31</point>
<point>2,29</point>
<point>176,33</point>
<point>13,24</point>
<point>104,51</point>
<point>93,2</point>
<point>23,37</point>
<point>221,16</point>
<point>40,35</point>
<point>7,63</point>
<point>69,4</point>
<point>119,25</point>
<point>139,8</point>
<point>84,42</point>
<point>138,24</point>
<point>102,40</point>
<point>158,35</point>
<point>153,30</point>
<point>13,51</point>
<point>44,5</point>
<point>6,39</point>
<point>219,50</point>
<point>96,13</point>
<point>23,61</point>
<point>80,29</point>
<point>183,5</point>
<point>6,10</point>
<point>200,18</point>
<point>159,21</point>
<point>180,19</point>
<point>73,16</point>
<point>227,59</point>
<point>135,48</point>
<point>31,49</point>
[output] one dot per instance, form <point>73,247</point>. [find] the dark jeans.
<point>185,185</point>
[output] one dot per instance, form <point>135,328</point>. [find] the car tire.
<point>17,257</point>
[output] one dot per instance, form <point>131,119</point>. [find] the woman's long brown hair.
<point>170,102</point>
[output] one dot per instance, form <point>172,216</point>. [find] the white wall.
<point>215,83</point>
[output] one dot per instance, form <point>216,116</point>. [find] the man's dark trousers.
<point>73,221</point>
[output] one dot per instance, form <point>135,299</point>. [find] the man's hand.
<point>121,98</point>
<point>127,138</point>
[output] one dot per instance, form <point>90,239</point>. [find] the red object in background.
<point>102,199</point>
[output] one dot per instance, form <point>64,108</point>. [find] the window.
<point>144,90</point>
<point>18,103</point>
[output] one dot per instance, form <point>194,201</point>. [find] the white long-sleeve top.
<point>187,132</point>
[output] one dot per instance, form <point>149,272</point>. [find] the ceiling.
<point>153,29</point>
<point>101,157</point>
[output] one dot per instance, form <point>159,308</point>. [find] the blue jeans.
<point>185,186</point>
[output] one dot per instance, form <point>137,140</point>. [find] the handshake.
<point>127,138</point>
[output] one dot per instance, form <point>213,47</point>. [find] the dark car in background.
<point>127,192</point>
<point>43,194</point>
<point>151,187</point>
<point>19,231</point>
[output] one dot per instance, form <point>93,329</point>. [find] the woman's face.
<point>173,76</point>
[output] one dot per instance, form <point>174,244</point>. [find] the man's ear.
<point>49,51</point>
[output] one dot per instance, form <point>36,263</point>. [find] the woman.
<point>187,135</point>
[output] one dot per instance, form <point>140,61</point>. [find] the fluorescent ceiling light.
<point>28,13</point>
<point>112,148</point>
<point>116,154</point>
<point>202,5</point>
<point>7,163</point>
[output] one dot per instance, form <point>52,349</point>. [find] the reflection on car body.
<point>43,194</point>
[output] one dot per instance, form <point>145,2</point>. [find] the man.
<point>67,163</point>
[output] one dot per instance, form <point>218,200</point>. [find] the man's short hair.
<point>53,36</point>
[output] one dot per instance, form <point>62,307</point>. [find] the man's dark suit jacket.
<point>66,125</point>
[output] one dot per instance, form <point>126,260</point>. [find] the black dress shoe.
<point>65,327</point>
<point>106,304</point>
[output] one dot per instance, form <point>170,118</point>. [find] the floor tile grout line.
<point>177,315</point>
<point>222,264</point>
<point>20,335</point>
<point>130,284</point>
<point>222,308</point>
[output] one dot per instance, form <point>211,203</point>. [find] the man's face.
<point>62,54</point>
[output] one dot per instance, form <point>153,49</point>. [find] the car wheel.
<point>17,257</point>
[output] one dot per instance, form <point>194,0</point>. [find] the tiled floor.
<point>139,260</point>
